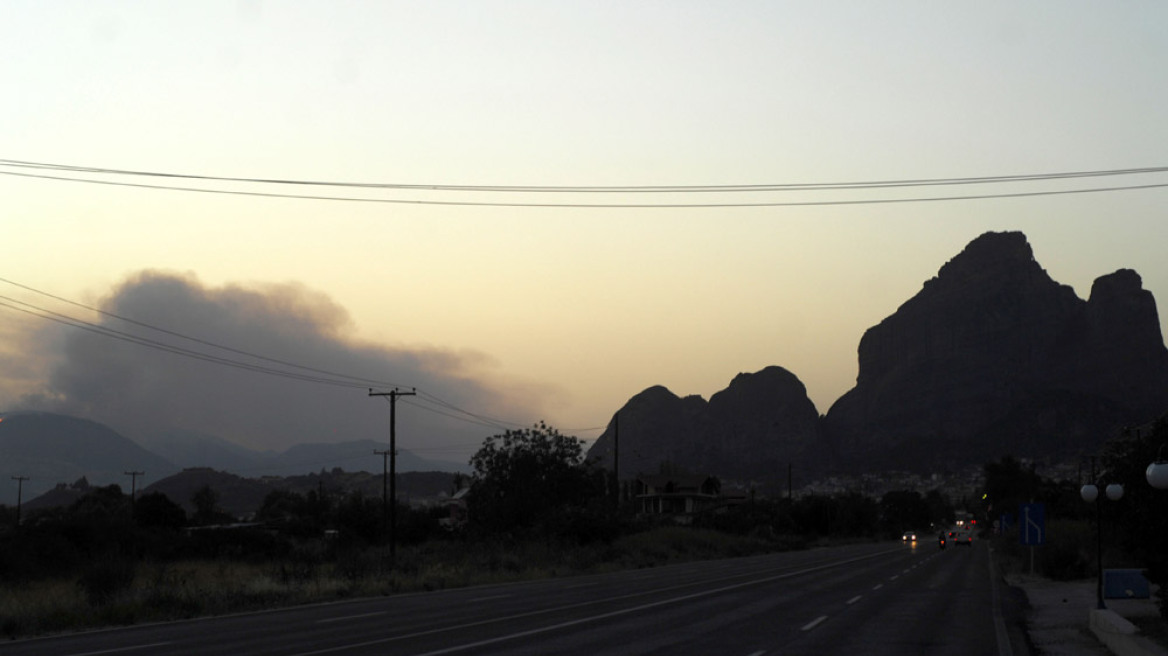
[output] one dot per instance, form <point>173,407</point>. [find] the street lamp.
<point>1158,471</point>
<point>1090,494</point>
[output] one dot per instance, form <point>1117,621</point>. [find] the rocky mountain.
<point>992,356</point>
<point>750,431</point>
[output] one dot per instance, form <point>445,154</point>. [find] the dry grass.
<point>178,590</point>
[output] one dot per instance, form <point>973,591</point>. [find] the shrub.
<point>1063,557</point>
<point>105,577</point>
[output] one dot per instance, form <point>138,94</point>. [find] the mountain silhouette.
<point>992,357</point>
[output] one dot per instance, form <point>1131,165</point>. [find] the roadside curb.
<point>1121,636</point>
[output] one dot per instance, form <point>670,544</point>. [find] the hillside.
<point>51,448</point>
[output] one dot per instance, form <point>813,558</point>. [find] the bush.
<point>107,576</point>
<point>1064,557</point>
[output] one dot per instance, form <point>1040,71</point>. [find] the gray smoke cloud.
<point>143,392</point>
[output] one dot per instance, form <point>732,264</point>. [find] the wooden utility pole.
<point>384,496</point>
<point>19,489</point>
<point>392,395</point>
<point>616,456</point>
<point>133,488</point>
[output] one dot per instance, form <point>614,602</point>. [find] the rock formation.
<point>993,357</point>
<point>749,431</point>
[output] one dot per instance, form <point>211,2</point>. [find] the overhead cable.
<point>678,189</point>
<point>426,400</point>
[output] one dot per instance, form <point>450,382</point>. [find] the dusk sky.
<point>523,305</point>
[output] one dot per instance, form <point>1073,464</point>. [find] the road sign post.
<point>1032,527</point>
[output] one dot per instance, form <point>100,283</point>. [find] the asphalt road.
<point>864,599</point>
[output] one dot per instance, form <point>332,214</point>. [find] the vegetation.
<point>537,509</point>
<point>536,481</point>
<point>1134,532</point>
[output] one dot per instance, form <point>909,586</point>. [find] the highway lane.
<point>869,599</point>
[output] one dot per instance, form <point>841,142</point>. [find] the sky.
<point>509,307</point>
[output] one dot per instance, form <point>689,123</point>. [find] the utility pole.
<point>616,456</point>
<point>133,488</point>
<point>384,497</point>
<point>19,489</point>
<point>393,464</point>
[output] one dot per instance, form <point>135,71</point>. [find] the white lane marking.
<point>120,649</point>
<point>757,653</point>
<point>582,620</point>
<point>878,586</point>
<point>814,623</point>
<point>855,599</point>
<point>490,598</point>
<point>349,617</point>
<point>582,585</point>
<point>1003,638</point>
<point>602,616</point>
<point>893,577</point>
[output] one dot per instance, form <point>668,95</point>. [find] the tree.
<point>1008,484</point>
<point>206,503</point>
<point>903,509</point>
<point>1139,515</point>
<point>156,510</point>
<point>529,478</point>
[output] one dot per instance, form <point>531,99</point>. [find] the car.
<point>909,536</point>
<point>960,537</point>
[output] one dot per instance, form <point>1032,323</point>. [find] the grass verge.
<point>161,591</point>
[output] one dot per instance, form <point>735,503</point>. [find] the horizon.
<point>548,310</point>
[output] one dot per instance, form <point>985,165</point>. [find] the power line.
<point>425,400</point>
<point>797,186</point>
<point>197,340</point>
<point>162,346</point>
<point>675,189</point>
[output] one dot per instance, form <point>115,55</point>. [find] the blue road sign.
<point>1032,524</point>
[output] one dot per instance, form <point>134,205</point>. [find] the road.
<point>871,599</point>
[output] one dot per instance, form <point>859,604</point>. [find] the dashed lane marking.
<point>121,649</point>
<point>490,598</point>
<point>814,623</point>
<point>349,617</point>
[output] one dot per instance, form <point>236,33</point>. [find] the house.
<point>456,507</point>
<point>680,496</point>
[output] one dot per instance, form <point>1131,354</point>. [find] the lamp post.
<point>1158,471</point>
<point>1090,494</point>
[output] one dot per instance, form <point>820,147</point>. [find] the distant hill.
<point>358,454</point>
<point>54,450</point>
<point>194,449</point>
<point>242,497</point>
<point>188,448</point>
<point>51,448</point>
